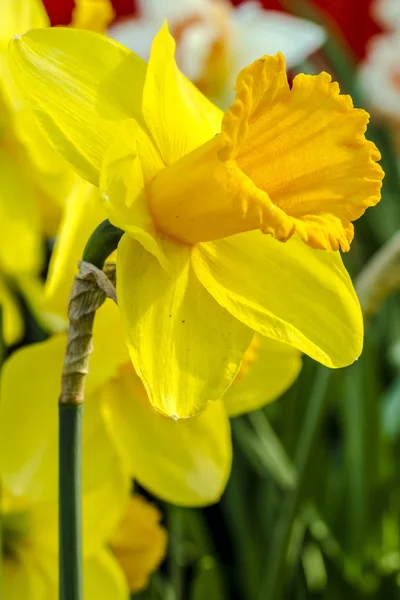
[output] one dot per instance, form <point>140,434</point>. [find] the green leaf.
<point>207,583</point>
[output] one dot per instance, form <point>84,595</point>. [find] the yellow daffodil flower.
<point>186,462</point>
<point>207,201</point>
<point>30,541</point>
<point>29,560</point>
<point>215,40</point>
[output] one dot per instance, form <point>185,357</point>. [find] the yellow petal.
<point>29,390</point>
<point>179,117</point>
<point>110,351</point>
<point>25,579</point>
<point>33,575</point>
<point>286,161</point>
<point>21,244</point>
<point>288,292</point>
<point>104,578</point>
<point>103,507</point>
<point>19,15</point>
<point>267,370</point>
<point>79,84</point>
<point>186,348</point>
<point>139,543</point>
<point>13,323</point>
<point>131,160</point>
<point>83,212</point>
<point>305,149</point>
<point>186,462</point>
<point>30,385</point>
<point>38,163</point>
<point>94,15</point>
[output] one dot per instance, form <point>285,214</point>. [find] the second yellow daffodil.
<point>185,462</point>
<point>124,543</point>
<point>207,201</point>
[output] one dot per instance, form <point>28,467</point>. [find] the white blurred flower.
<point>215,41</point>
<point>379,74</point>
<point>387,13</point>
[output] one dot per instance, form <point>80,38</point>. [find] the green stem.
<point>274,573</point>
<point>70,506</point>
<point>103,241</point>
<point>88,293</point>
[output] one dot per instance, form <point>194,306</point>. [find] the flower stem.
<point>89,291</point>
<point>71,575</point>
<point>86,297</point>
<point>103,241</point>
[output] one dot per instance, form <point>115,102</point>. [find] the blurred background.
<point>312,508</point>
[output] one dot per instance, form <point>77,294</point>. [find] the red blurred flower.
<point>352,17</point>
<point>60,11</point>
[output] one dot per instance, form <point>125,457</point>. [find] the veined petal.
<point>19,15</point>
<point>303,152</point>
<point>287,292</point>
<point>186,462</point>
<point>268,369</point>
<point>184,118</point>
<point>83,213</point>
<point>103,578</point>
<point>186,348</point>
<point>78,101</point>
<point>130,162</point>
<point>286,161</point>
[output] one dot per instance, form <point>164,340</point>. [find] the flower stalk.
<point>90,289</point>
